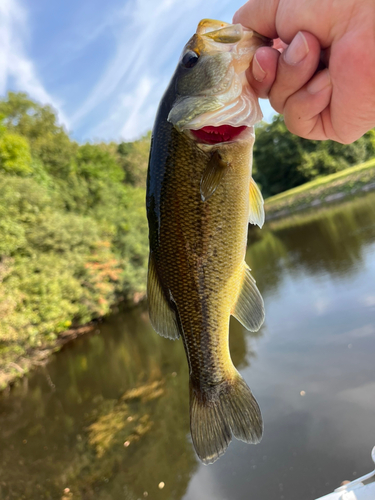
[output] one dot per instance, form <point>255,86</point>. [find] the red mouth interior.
<point>213,135</point>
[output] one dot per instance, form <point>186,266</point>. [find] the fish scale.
<point>189,238</point>
<point>199,203</point>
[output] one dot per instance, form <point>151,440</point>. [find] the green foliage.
<point>133,157</point>
<point>73,234</point>
<point>15,154</point>
<point>93,162</point>
<point>56,152</point>
<point>369,138</point>
<point>277,155</point>
<point>283,160</point>
<point>49,142</point>
<point>59,268</point>
<point>28,118</point>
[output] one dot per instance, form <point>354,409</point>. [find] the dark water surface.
<point>107,418</point>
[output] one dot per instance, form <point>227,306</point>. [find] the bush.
<point>15,155</point>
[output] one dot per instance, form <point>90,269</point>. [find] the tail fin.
<point>220,411</point>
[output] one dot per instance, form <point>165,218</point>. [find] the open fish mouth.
<point>216,135</point>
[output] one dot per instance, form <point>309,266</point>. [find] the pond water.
<point>108,417</point>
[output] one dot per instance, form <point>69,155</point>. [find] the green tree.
<point>49,141</point>
<point>15,154</point>
<point>73,231</point>
<point>283,160</point>
<point>26,117</point>
<point>133,157</point>
<point>370,143</point>
<point>277,155</point>
<point>94,162</point>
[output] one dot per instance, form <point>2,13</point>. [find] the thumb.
<point>259,16</point>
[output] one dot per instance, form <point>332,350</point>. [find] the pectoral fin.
<point>249,309</point>
<point>213,175</point>
<point>256,214</point>
<point>162,317</point>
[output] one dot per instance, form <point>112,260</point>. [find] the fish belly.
<point>203,245</point>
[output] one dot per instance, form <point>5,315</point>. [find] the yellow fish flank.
<point>200,199</point>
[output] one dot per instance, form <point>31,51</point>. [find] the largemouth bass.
<point>200,199</point>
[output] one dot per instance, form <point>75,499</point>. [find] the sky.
<point>102,65</point>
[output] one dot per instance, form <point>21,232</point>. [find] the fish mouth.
<point>216,135</point>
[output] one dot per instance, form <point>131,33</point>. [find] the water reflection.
<point>108,417</point>
<point>332,240</point>
<point>68,429</point>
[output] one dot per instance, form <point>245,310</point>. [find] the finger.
<point>307,114</point>
<point>262,72</point>
<point>296,66</point>
<point>259,16</point>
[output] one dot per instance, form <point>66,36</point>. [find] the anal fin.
<point>249,309</point>
<point>162,317</point>
<point>256,213</point>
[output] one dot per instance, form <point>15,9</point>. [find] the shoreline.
<point>319,203</point>
<point>323,191</point>
<point>39,356</point>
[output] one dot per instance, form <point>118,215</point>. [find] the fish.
<point>200,199</point>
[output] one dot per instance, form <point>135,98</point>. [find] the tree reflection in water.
<point>330,240</point>
<point>108,417</point>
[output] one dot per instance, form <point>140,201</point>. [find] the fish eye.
<point>190,59</point>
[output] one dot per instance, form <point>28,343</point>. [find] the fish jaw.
<point>216,92</point>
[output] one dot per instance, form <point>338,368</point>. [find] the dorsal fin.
<point>256,212</point>
<point>249,309</point>
<point>162,317</point>
<point>213,175</point>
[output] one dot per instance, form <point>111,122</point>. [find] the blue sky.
<point>102,65</point>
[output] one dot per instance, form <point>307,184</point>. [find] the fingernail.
<point>258,72</point>
<point>297,50</point>
<point>319,82</point>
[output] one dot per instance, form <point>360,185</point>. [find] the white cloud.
<point>14,62</point>
<point>130,113</point>
<point>147,49</point>
<point>141,41</point>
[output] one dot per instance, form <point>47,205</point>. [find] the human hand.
<point>337,103</point>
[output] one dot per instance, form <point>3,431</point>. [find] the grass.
<point>312,193</point>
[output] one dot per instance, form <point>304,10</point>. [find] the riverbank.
<point>73,231</point>
<point>38,356</point>
<point>61,270</point>
<point>17,357</point>
<point>322,191</point>
<point>15,367</point>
